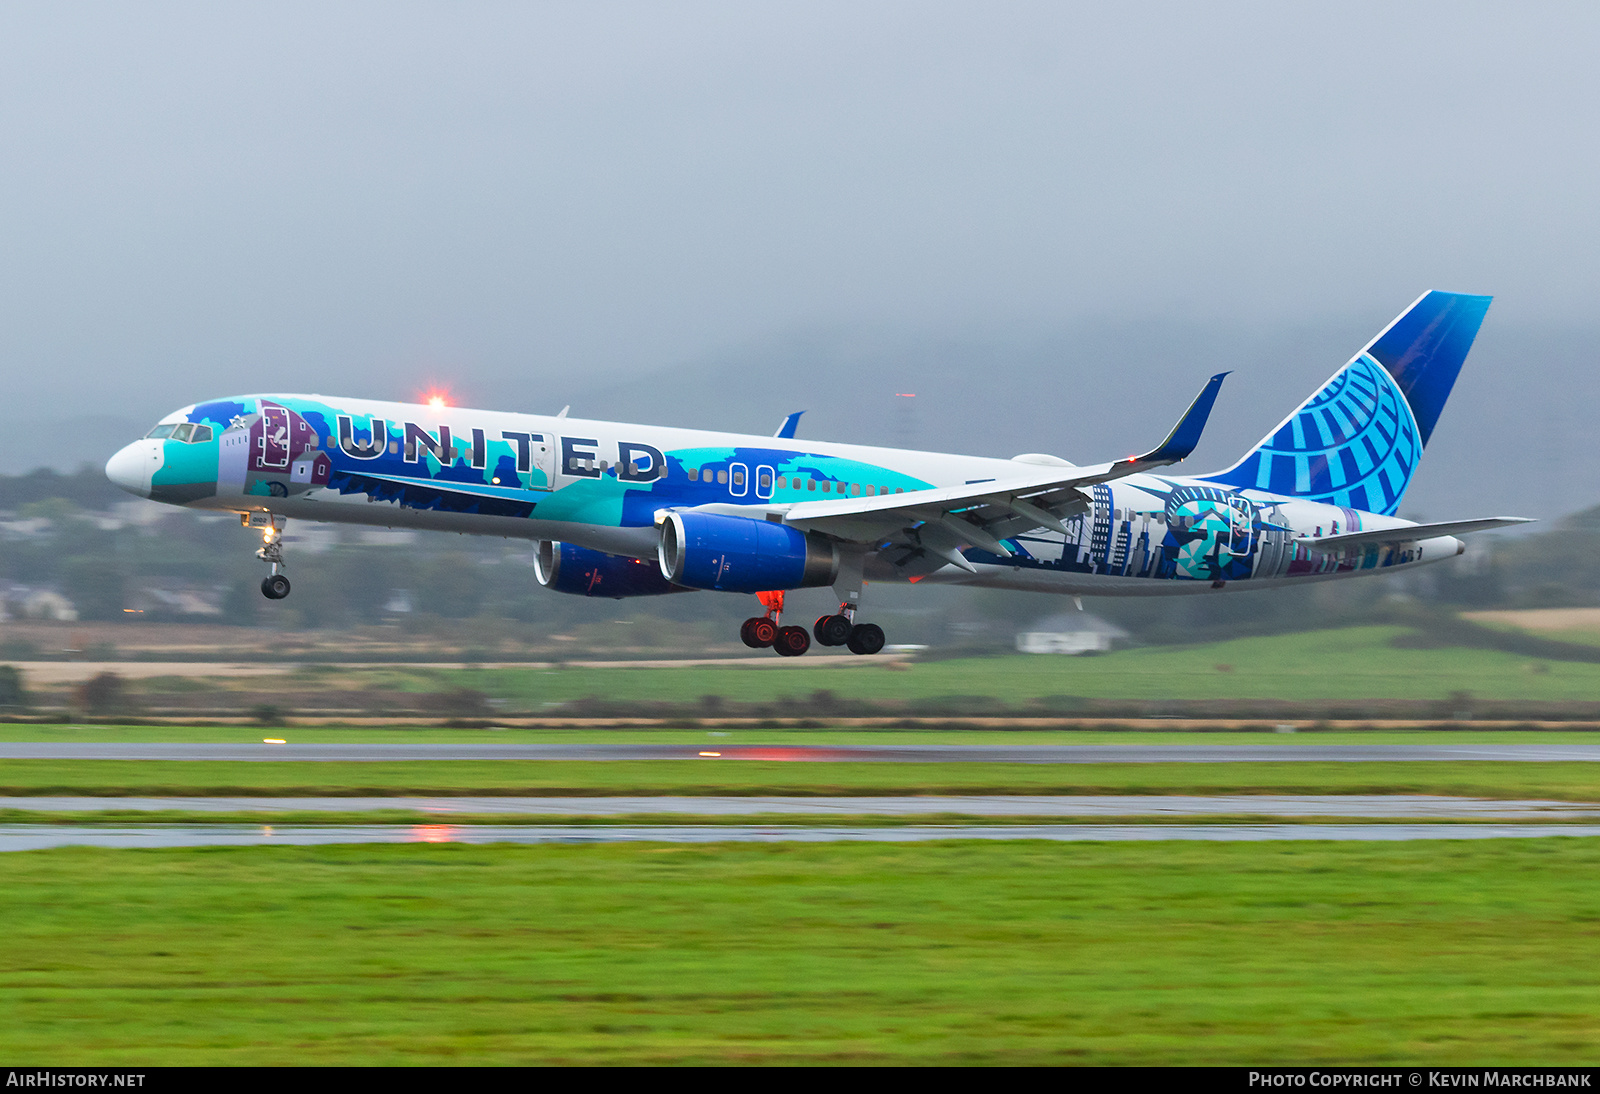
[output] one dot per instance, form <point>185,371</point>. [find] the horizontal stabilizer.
<point>1410,533</point>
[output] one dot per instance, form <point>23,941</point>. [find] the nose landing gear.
<point>274,586</point>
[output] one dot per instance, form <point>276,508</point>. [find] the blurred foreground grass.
<point>1488,779</point>
<point>1182,953</point>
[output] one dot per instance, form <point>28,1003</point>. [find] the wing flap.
<point>1026,496</point>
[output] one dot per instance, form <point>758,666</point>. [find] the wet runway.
<point>1025,754</point>
<point>31,837</point>
<point>1365,806</point>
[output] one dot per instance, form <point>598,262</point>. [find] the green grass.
<point>1349,663</point>
<point>1567,781</point>
<point>1174,953</point>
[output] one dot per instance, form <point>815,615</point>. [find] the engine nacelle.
<point>741,555</point>
<point>568,568</point>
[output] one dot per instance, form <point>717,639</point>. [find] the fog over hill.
<point>1515,437</point>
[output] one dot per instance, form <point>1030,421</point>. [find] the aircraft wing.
<point>1409,533</point>
<point>982,514</point>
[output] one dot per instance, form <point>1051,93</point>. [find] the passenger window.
<point>811,484</point>
<point>871,490</point>
<point>201,433</point>
<point>855,488</point>
<point>694,474</point>
<point>722,476</point>
<point>783,481</point>
<point>160,432</point>
<point>602,465</point>
<point>738,478</point>
<point>899,490</point>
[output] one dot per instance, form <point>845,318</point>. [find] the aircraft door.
<point>274,441</point>
<point>1241,522</point>
<point>541,453</point>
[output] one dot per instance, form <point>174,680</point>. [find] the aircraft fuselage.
<point>602,485</point>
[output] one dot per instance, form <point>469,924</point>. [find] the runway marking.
<point>42,837</point>
<point>921,753</point>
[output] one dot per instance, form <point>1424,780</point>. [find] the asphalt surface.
<point>1025,754</point>
<point>33,837</point>
<point>1366,806</point>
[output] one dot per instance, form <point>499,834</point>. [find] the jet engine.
<point>568,568</point>
<point>741,555</point>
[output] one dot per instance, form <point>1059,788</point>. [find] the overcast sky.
<point>525,201</point>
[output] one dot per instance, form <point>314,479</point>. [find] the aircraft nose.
<point>133,465</point>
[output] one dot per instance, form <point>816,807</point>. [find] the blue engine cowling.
<point>741,555</point>
<point>568,568</point>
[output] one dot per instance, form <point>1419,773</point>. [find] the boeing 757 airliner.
<point>630,510</point>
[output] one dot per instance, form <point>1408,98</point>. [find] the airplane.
<point>621,510</point>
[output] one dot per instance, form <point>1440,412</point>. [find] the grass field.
<point>1356,662</point>
<point>1567,781</point>
<point>943,953</point>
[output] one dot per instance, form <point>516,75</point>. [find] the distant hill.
<point>86,487</point>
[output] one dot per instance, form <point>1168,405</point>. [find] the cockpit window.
<point>161,432</point>
<point>201,433</point>
<point>183,432</point>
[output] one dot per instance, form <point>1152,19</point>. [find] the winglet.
<point>1186,434</point>
<point>786,430</point>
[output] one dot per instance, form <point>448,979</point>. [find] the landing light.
<point>710,753</point>
<point>273,741</point>
<point>436,402</point>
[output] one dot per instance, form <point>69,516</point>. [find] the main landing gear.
<point>274,586</point>
<point>831,630</point>
<point>764,630</point>
<point>841,629</point>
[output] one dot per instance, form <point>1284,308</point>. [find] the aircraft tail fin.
<point>1357,440</point>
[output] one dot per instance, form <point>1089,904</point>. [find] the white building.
<point>1071,633</point>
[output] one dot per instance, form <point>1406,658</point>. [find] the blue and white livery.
<point>631,510</point>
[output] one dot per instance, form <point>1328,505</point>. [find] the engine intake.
<point>741,555</point>
<point>568,568</point>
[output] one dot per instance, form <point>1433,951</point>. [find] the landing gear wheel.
<point>791,641</point>
<point>758,633</point>
<point>832,630</point>
<point>275,587</point>
<point>866,638</point>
